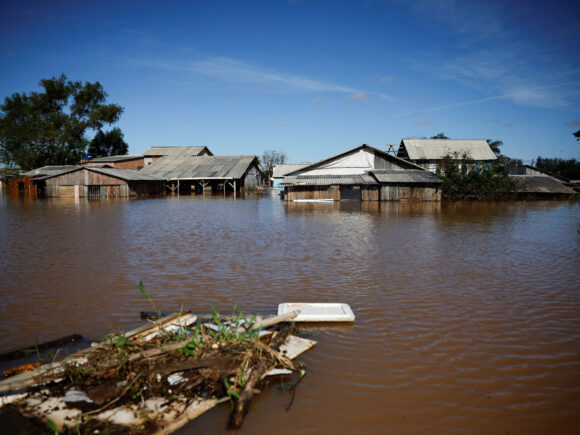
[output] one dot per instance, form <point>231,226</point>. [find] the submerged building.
<point>72,181</point>
<point>363,173</point>
<point>427,153</point>
<point>215,173</point>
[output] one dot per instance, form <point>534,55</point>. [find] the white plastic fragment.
<point>294,346</point>
<point>176,378</point>
<point>318,312</point>
<point>277,372</point>
<point>73,395</point>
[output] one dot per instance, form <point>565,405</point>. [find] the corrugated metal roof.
<point>110,159</point>
<point>201,167</point>
<point>175,151</point>
<point>540,184</point>
<point>389,157</point>
<point>435,149</point>
<point>50,170</point>
<point>328,180</point>
<point>122,174</point>
<point>405,176</point>
<point>125,174</point>
<point>280,171</point>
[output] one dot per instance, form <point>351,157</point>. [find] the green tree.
<point>49,127</point>
<point>569,168</point>
<point>439,136</point>
<point>495,146</point>
<point>465,179</point>
<point>110,143</point>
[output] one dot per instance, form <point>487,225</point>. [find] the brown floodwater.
<point>468,315</point>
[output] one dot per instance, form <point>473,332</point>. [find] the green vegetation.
<point>141,288</point>
<point>110,143</point>
<point>465,180</point>
<point>50,127</point>
<point>565,168</point>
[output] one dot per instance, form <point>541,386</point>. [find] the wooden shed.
<point>215,173</point>
<point>98,182</point>
<point>364,174</point>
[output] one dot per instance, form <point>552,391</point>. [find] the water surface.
<point>467,314</point>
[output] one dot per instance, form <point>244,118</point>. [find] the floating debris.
<point>158,377</point>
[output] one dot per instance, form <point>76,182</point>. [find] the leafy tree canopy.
<point>439,136</point>
<point>110,143</point>
<point>469,180</point>
<point>49,127</point>
<point>495,146</point>
<point>270,158</point>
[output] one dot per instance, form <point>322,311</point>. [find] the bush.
<point>467,180</point>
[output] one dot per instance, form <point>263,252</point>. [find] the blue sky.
<point>311,78</point>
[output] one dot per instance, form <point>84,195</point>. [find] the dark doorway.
<point>350,193</point>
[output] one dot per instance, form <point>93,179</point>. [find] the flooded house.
<point>427,153</point>
<point>155,153</point>
<point>122,162</point>
<point>541,186</point>
<point>196,174</point>
<point>71,181</point>
<point>363,173</point>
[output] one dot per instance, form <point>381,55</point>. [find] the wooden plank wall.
<point>28,187</point>
<point>369,193</point>
<point>84,177</point>
<point>410,193</point>
<point>312,192</point>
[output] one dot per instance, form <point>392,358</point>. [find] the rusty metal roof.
<point>176,151</point>
<point>201,167</point>
<point>405,176</point>
<point>436,149</point>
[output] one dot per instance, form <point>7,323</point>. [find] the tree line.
<point>51,127</point>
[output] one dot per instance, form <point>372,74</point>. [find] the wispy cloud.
<point>359,96</point>
<point>422,123</point>
<point>386,79</point>
<point>233,71</point>
<point>494,56</point>
<point>508,124</point>
<point>520,94</point>
<point>573,123</point>
<point>286,123</point>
